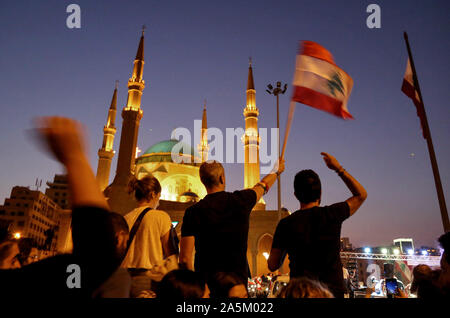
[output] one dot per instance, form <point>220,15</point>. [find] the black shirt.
<point>220,224</point>
<point>312,240</point>
<point>93,250</point>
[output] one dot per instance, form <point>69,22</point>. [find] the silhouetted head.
<point>302,287</point>
<point>182,284</point>
<point>421,273</point>
<point>212,175</point>
<point>307,186</point>
<point>228,285</point>
<point>146,189</point>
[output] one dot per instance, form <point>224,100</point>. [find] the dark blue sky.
<point>199,49</point>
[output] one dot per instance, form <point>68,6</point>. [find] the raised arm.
<point>357,190</point>
<point>94,240</point>
<point>63,137</point>
<point>266,183</point>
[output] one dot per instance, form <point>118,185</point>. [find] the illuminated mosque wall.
<point>180,182</point>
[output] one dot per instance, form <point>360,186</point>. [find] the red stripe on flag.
<point>320,101</point>
<point>410,91</point>
<point>316,50</point>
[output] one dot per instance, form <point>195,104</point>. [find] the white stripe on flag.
<point>317,74</point>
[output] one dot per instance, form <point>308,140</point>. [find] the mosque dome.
<point>178,176</point>
<point>162,152</point>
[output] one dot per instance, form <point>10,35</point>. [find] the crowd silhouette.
<point>137,255</point>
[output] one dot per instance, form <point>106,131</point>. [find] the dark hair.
<point>145,188</point>
<point>118,222</point>
<point>425,282</point>
<point>210,173</point>
<point>221,284</point>
<point>181,284</point>
<point>444,241</point>
<point>307,186</point>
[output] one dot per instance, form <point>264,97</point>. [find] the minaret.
<point>203,147</point>
<point>106,153</point>
<point>119,200</point>
<point>251,138</point>
<point>131,114</point>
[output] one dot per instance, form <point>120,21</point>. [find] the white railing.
<point>412,260</point>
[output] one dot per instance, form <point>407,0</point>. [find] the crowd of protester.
<point>138,255</point>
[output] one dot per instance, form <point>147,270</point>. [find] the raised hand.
<point>62,136</point>
<point>331,161</point>
<point>278,167</point>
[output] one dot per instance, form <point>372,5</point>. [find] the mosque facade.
<point>178,171</point>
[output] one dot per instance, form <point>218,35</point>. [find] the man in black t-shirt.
<point>217,226</point>
<point>311,235</point>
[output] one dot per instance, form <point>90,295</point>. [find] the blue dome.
<point>166,146</point>
<point>162,152</point>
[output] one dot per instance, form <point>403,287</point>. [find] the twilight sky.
<point>196,50</point>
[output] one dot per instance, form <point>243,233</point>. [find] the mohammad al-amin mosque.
<point>180,182</point>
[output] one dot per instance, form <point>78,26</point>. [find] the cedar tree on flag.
<point>319,82</point>
<point>409,89</point>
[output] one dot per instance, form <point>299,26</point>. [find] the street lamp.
<point>277,91</point>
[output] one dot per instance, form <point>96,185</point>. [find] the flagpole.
<point>288,126</point>
<point>277,91</point>
<point>434,165</point>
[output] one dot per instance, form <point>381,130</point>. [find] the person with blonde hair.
<point>150,244</point>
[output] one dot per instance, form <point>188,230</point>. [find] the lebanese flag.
<point>409,89</point>
<point>319,82</point>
